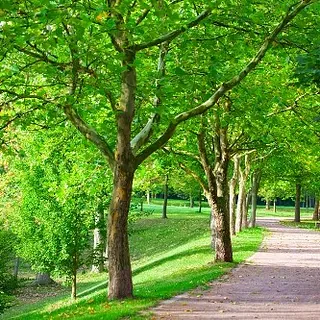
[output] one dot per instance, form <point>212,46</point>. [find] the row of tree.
<point>135,77</point>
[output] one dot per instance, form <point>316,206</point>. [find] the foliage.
<point>308,67</point>
<point>7,281</point>
<point>52,210</point>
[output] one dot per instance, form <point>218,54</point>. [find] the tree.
<point>7,281</point>
<point>52,212</point>
<point>69,59</point>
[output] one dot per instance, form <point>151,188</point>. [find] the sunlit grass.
<point>304,224</point>
<point>170,256</point>
<point>283,212</point>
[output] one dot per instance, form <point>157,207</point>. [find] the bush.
<point>5,301</point>
<point>7,281</point>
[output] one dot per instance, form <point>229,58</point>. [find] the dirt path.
<point>280,281</point>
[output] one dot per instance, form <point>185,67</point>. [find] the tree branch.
<point>184,153</point>
<point>142,17</point>
<point>90,134</point>
<point>195,176</point>
<point>17,116</point>
<point>225,87</point>
<point>144,135</point>
<point>171,35</point>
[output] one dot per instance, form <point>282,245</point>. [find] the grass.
<point>168,257</point>
<point>179,203</point>
<point>283,212</point>
<point>304,224</point>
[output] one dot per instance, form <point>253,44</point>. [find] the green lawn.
<point>304,224</point>
<point>169,257</point>
<point>283,212</point>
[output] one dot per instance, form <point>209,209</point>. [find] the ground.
<point>280,281</point>
<point>31,294</point>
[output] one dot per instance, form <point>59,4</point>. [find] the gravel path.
<point>280,281</point>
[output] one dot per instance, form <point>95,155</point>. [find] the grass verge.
<point>304,224</point>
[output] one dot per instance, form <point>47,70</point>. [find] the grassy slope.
<point>169,256</point>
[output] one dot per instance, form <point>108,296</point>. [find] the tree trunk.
<point>165,198</point>
<point>254,194</point>
<point>217,191</point>
<point>120,275</point>
<point>267,204</point>
<point>242,215</point>
<point>99,240</point>
<point>241,199</point>
<point>221,229</point>
<point>219,195</point>
<point>213,231</point>
<point>148,197</point>
<point>274,205</point>
<point>297,203</point>
<point>74,286</point>
<point>245,210</point>
<point>43,279</point>
<point>200,201</point>
<point>232,195</point>
<point>191,201</point>
<point>75,264</point>
<point>315,215</point>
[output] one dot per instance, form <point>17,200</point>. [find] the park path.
<point>280,281</point>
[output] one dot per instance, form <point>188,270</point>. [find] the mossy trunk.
<point>120,275</point>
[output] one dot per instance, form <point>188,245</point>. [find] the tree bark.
<point>316,210</point>
<point>120,275</point>
<point>165,198</point>
<point>99,240</point>
<point>232,194</point>
<point>191,201</point>
<point>256,177</point>
<point>220,229</point>
<point>242,214</point>
<point>148,197</point>
<point>241,197</point>
<point>297,203</point>
<point>220,198</point>
<point>74,277</point>
<point>200,201</point>
<point>217,191</point>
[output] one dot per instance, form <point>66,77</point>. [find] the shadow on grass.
<point>94,286</point>
<point>181,281</point>
<point>183,254</point>
<point>147,294</point>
